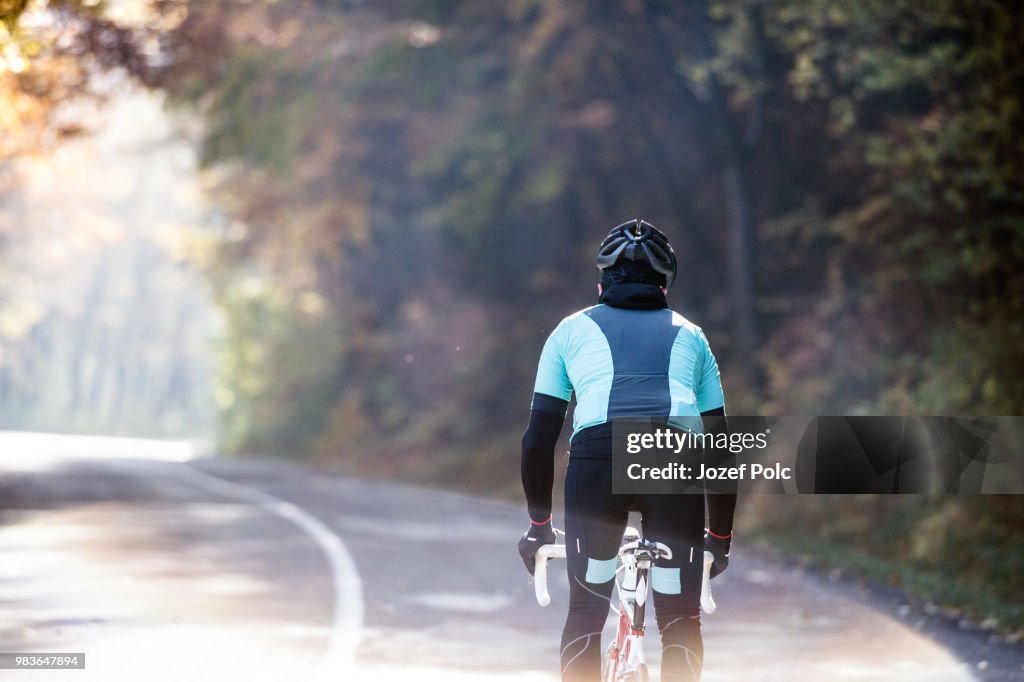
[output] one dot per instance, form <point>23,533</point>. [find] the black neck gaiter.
<point>635,296</point>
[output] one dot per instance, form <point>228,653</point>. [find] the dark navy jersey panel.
<point>640,340</point>
<point>641,348</point>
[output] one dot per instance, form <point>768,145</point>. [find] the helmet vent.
<point>638,240</point>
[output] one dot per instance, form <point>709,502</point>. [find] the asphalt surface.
<point>218,569</point>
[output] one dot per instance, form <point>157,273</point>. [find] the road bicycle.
<point>624,659</point>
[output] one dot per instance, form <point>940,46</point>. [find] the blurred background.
<point>339,231</point>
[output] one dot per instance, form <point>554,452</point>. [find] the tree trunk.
<point>742,234</point>
<point>735,145</point>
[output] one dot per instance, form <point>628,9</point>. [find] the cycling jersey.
<point>623,362</point>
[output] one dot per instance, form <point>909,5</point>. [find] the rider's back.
<point>624,362</point>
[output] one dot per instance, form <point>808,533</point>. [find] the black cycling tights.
<point>594,522</point>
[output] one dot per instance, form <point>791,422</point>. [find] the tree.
<point>414,166</point>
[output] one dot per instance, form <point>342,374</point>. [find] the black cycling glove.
<point>719,548</point>
<point>537,535</point>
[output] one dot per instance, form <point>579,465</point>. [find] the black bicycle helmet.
<point>638,240</point>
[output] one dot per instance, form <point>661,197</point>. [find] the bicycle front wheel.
<point>640,675</point>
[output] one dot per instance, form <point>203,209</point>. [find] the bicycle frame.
<point>624,659</point>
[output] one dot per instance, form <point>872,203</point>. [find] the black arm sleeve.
<point>721,506</point>
<point>547,415</point>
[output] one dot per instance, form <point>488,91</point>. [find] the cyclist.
<point>627,356</point>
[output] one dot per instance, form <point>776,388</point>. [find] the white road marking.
<point>347,624</point>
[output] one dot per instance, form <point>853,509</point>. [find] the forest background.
<point>405,197</point>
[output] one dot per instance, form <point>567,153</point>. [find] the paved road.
<point>214,569</point>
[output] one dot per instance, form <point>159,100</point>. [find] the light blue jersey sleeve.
<point>709,386</point>
<point>552,375</point>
